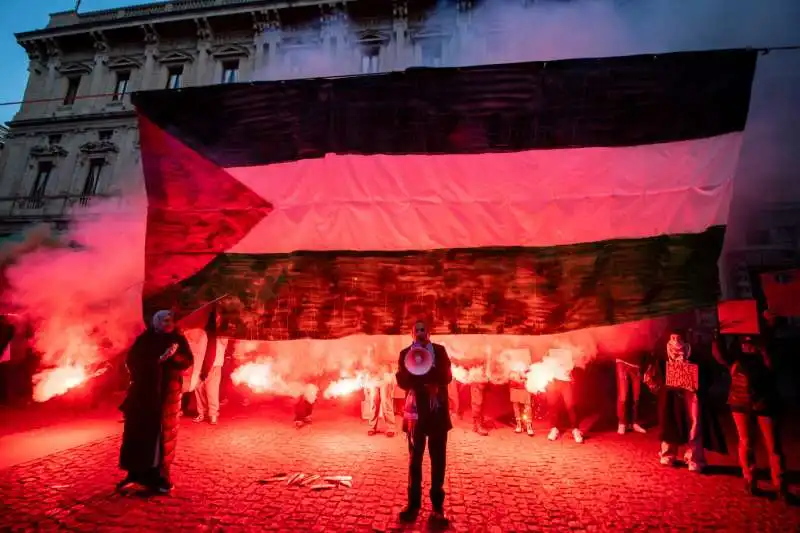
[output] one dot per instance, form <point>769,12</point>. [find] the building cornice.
<point>72,23</point>
<point>17,126</point>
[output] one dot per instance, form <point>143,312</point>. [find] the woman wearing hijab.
<point>156,362</point>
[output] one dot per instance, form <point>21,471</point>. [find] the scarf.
<point>158,320</point>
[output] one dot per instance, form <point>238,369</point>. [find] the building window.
<point>369,59</point>
<point>54,139</point>
<point>105,135</point>
<point>230,71</point>
<point>174,77</point>
<point>122,85</point>
<point>73,83</point>
<point>758,237</point>
<point>92,180</point>
<point>40,185</point>
<point>432,53</point>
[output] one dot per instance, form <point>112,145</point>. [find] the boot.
<point>478,428</point>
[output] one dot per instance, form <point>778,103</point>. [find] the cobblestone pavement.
<point>504,482</point>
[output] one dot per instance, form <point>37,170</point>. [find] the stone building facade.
<point>75,139</point>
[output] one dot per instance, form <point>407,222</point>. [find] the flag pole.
<point>77,5</point>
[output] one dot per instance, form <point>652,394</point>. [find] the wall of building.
<point>54,129</point>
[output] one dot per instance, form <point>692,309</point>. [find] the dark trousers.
<point>437,450</point>
<point>561,390</point>
<point>629,386</point>
<point>302,410</point>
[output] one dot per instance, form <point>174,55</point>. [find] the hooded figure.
<point>156,362</point>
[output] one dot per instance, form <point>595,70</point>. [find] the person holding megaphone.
<point>424,373</point>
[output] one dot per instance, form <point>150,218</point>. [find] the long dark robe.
<point>674,417</point>
<point>153,405</point>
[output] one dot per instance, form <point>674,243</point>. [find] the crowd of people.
<point>159,390</point>
<point>161,355</point>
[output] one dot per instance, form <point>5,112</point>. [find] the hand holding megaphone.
<point>418,361</point>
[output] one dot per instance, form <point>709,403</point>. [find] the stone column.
<point>402,52</point>
<point>202,63</point>
<point>98,84</point>
<point>150,71</point>
<point>52,89</point>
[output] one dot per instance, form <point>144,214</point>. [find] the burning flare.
<point>348,385</point>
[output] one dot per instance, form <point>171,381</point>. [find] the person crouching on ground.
<point>304,406</point>
<point>428,393</point>
<point>156,362</point>
<point>754,400</point>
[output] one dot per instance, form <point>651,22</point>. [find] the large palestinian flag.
<point>516,199</point>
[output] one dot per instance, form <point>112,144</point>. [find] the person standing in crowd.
<point>630,372</point>
<point>156,362</point>
<point>381,398</point>
<point>432,423</point>
<point>207,389</point>
<point>683,414</point>
<point>477,394</point>
<point>521,402</point>
<point>754,400</point>
<point>564,391</point>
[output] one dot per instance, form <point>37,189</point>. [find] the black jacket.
<point>441,375</point>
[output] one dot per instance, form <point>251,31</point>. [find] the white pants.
<point>381,403</point>
<point>207,393</point>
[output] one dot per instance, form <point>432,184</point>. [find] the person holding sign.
<point>683,419</point>
<point>753,399</point>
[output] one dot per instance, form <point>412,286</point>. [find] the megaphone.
<point>418,361</point>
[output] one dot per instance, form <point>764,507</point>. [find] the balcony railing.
<point>48,207</point>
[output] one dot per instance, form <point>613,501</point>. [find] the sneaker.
<point>518,429</point>
<point>390,433</point>
<point>371,433</point>
<point>553,435</point>
<point>480,430</point>
<point>530,430</point>
<point>214,420</point>
<point>696,468</point>
<point>298,424</point>
<point>199,418</point>
<point>666,460</point>
<point>577,435</point>
<point>165,487</point>
<point>621,429</point>
<point>639,429</point>
<point>409,514</point>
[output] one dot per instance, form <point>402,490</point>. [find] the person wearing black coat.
<point>433,422</point>
<point>156,363</point>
